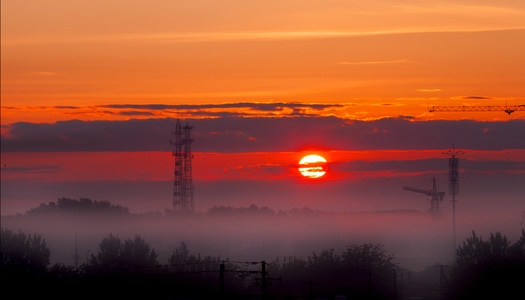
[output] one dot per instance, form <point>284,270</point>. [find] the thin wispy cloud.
<point>239,109</point>
<point>219,36</point>
<point>477,97</point>
<point>464,9</point>
<point>373,62</point>
<point>429,90</point>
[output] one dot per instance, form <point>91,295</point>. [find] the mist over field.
<point>256,206</point>
<point>299,217</point>
<point>417,239</point>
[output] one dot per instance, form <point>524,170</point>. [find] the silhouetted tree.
<point>489,269</point>
<point>138,254</point>
<point>368,265</point>
<point>323,263</point>
<point>476,252</point>
<point>117,255</point>
<point>180,255</point>
<point>362,270</point>
<point>124,269</point>
<point>23,253</point>
<point>370,257</point>
<point>517,250</point>
<point>24,269</point>
<point>108,257</point>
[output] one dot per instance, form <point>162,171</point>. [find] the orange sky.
<point>385,58</point>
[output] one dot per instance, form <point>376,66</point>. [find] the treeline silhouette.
<point>86,206</point>
<point>493,268</point>
<point>80,206</point>
<point>64,206</point>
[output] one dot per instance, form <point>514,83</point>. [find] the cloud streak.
<point>429,90</point>
<point>261,35</point>
<point>358,110</point>
<point>377,62</point>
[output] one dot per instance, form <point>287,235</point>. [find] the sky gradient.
<point>91,91</point>
<point>406,54</point>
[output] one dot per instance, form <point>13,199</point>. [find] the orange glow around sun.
<point>312,166</point>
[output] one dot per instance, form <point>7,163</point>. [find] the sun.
<point>312,166</point>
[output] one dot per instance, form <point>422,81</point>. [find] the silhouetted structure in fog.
<point>462,108</point>
<point>436,196</point>
<point>183,183</point>
<point>453,186</point>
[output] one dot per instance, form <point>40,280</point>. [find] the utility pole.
<point>395,284</point>
<point>76,257</point>
<point>441,275</point>
<point>443,281</point>
<point>264,279</point>
<point>221,277</point>
<point>402,283</point>
<point>369,283</point>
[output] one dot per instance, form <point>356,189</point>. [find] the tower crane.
<point>436,196</point>
<point>461,108</point>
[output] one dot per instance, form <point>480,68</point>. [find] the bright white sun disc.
<point>312,166</point>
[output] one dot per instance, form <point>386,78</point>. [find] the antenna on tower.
<point>183,189</point>
<point>453,185</point>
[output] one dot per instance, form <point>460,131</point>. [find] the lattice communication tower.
<point>183,189</point>
<point>453,185</point>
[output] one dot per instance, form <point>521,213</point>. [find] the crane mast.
<point>436,196</point>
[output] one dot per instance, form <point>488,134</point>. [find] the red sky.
<point>152,166</point>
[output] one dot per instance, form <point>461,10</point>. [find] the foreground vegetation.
<point>129,268</point>
<point>483,268</point>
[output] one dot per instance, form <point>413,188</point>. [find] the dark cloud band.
<point>233,134</point>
